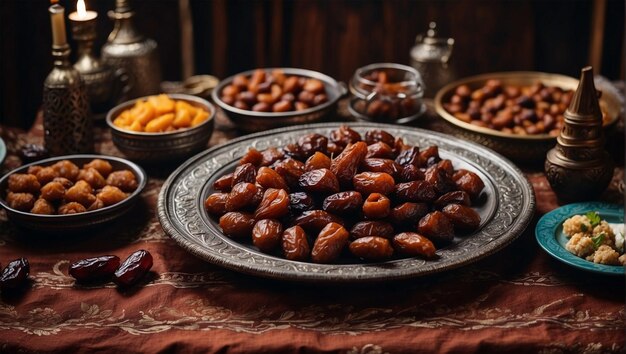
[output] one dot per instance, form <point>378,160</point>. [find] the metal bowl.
<point>74,222</point>
<point>520,148</point>
<point>251,121</point>
<point>156,147</point>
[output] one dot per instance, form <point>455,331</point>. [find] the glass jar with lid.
<point>386,92</point>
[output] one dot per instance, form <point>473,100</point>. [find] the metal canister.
<point>431,58</point>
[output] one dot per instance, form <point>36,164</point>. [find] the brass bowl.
<point>157,147</point>
<point>80,221</point>
<point>529,149</point>
<point>251,121</point>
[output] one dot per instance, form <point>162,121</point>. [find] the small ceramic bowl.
<point>74,222</point>
<point>156,147</point>
<point>251,121</point>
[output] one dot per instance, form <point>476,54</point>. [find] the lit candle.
<point>57,18</point>
<point>81,13</point>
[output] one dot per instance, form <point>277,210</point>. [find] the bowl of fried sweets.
<point>161,127</point>
<point>71,193</point>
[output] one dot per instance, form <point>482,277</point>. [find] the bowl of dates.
<point>71,193</point>
<point>518,114</point>
<point>262,99</point>
<point>331,202</point>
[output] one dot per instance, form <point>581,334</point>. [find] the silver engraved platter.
<point>506,208</point>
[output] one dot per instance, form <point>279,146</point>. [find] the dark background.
<point>334,37</point>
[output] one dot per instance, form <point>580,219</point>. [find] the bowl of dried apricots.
<point>161,127</point>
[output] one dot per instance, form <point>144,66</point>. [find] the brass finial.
<point>585,100</point>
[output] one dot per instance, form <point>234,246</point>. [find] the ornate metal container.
<point>579,168</point>
<point>66,117</point>
<point>430,57</point>
<point>132,52</point>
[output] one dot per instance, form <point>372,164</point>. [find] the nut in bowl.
<point>161,128</point>
<point>71,193</point>
<point>262,99</point>
<point>518,114</point>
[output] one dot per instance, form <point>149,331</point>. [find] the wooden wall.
<point>334,37</point>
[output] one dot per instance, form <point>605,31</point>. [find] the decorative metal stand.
<point>67,121</point>
<point>579,168</point>
<point>129,50</point>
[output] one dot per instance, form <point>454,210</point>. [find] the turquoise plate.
<point>3,151</point>
<point>549,234</point>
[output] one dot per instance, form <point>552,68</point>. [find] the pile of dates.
<point>274,91</point>
<point>346,196</point>
<point>103,268</point>
<point>511,109</point>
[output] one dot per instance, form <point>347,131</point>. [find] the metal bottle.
<point>136,55</point>
<point>430,57</point>
<point>66,116</point>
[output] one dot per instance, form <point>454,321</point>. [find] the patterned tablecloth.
<point>519,300</point>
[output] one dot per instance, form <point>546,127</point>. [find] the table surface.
<point>519,300</point>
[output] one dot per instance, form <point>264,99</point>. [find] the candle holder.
<point>103,84</point>
<point>579,168</point>
<point>132,52</point>
<point>67,122</point>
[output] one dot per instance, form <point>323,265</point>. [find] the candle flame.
<point>81,8</point>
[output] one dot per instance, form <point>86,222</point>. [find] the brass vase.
<point>578,168</point>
